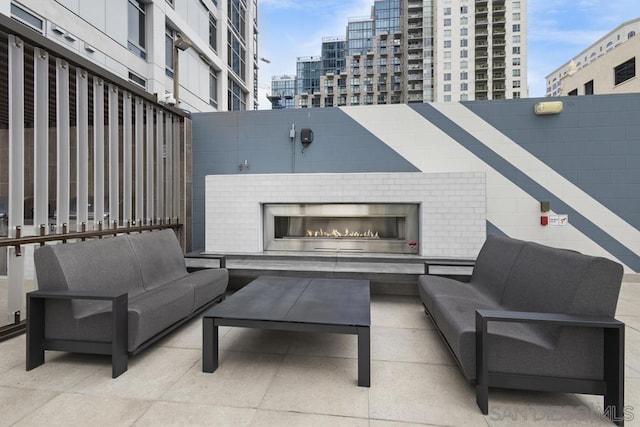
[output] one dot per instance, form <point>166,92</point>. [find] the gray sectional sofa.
<point>533,317</point>
<point>114,296</point>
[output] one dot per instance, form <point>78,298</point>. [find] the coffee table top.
<point>298,299</point>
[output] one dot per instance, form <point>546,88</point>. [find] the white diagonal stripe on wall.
<point>430,149</point>
<point>538,171</point>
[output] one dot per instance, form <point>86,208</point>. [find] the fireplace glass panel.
<point>359,227</point>
<point>339,227</point>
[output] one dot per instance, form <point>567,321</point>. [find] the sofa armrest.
<point>549,318</point>
<point>613,352</point>
<point>36,341</point>
<point>199,260</point>
<point>447,263</point>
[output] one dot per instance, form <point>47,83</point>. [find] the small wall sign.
<point>558,220</point>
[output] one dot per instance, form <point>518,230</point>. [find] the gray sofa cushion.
<point>494,263</point>
<point>207,284</point>
<point>159,256</point>
<point>431,288</point>
<point>156,310</point>
<point>544,279</point>
<point>89,265</point>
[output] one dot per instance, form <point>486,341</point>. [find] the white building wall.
<point>102,25</point>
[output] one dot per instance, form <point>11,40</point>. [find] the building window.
<point>447,98</point>
<point>464,53</point>
<point>516,5</point>
<point>236,12</point>
<point>447,44</point>
<point>464,97</point>
<point>464,75</point>
<point>464,86</point>
<point>447,87</point>
<point>631,34</point>
<point>464,9</point>
<point>464,20</point>
<point>447,77</point>
<point>516,16</point>
<point>447,22</point>
<point>213,87</point>
<point>464,31</point>
<point>236,55</point>
<point>447,54</point>
<point>625,71</point>
<point>137,28</point>
<point>169,36</point>
<point>213,33</point>
<point>516,50</point>
<point>237,98</point>
<point>588,88</point>
<point>464,65</point>
<point>516,72</point>
<point>27,18</point>
<point>447,65</point>
<point>464,42</point>
<point>447,11</point>
<point>516,28</point>
<point>515,61</point>
<point>137,79</point>
<point>516,95</point>
<point>516,84</point>
<point>516,39</point>
<point>573,92</point>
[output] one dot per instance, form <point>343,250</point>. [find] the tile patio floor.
<point>269,378</point>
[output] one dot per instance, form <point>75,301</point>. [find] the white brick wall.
<point>452,205</point>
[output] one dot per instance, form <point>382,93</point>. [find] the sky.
<point>557,31</point>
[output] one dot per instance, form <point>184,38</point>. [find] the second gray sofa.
<point>533,317</point>
<point>115,295</point>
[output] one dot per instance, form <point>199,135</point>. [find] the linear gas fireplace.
<point>356,227</point>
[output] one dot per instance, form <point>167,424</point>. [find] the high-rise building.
<point>428,50</point>
<point>207,47</point>
<point>607,66</point>
<point>283,91</point>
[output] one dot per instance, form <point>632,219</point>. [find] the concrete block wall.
<point>451,214</point>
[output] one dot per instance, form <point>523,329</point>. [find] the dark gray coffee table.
<point>339,306</point>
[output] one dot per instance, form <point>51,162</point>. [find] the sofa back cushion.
<point>494,263</point>
<point>544,279</point>
<point>598,293</point>
<point>159,256</point>
<point>105,264</point>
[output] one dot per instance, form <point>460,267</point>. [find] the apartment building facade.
<point>428,51</point>
<point>216,42</point>
<point>607,66</point>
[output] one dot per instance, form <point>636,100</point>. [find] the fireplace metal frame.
<point>409,244</point>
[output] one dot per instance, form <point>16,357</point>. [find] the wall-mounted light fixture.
<point>244,165</point>
<point>548,107</point>
<point>181,42</point>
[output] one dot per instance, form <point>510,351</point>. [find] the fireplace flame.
<point>335,234</point>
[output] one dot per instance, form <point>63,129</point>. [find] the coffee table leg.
<point>209,345</point>
<point>364,357</point>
